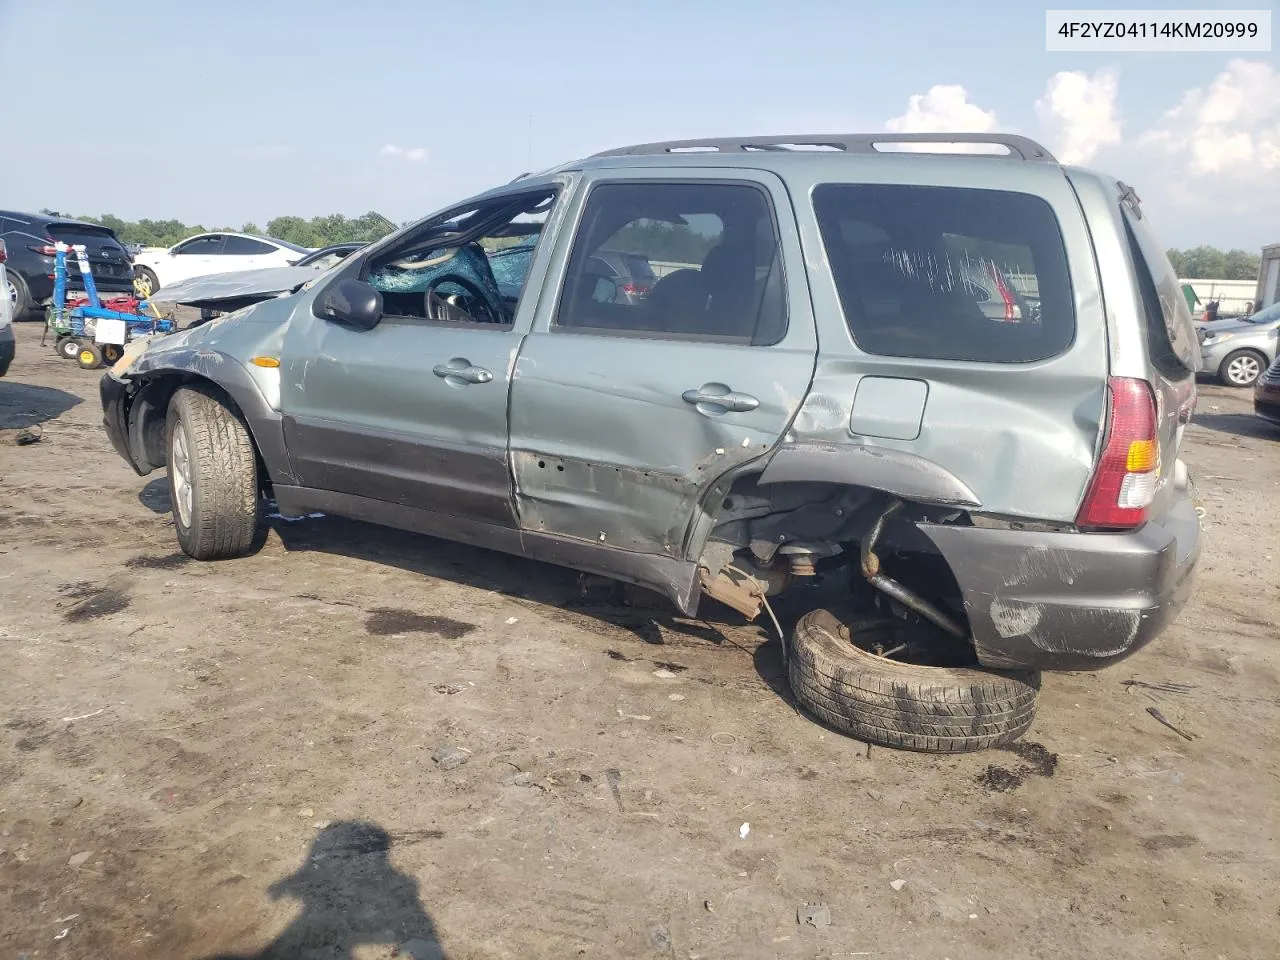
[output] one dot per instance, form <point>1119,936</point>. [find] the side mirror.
<point>350,302</point>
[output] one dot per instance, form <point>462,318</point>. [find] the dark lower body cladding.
<point>7,348</point>
<point>1266,402</point>
<point>1071,601</point>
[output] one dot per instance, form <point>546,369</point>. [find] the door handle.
<point>713,399</point>
<point>460,371</point>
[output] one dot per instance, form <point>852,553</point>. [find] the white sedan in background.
<point>210,253</point>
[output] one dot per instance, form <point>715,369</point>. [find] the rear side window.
<point>948,273</point>
<point>246,247</point>
<point>669,260</point>
<point>1172,345</point>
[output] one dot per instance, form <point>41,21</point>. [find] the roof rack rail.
<point>1021,148</point>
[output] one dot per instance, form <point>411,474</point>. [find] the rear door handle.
<point>713,399</point>
<point>460,371</point>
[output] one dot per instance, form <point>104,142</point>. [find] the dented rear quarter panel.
<point>1022,437</point>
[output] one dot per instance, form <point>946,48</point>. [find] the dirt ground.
<point>236,759</point>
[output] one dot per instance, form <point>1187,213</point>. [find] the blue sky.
<point>252,110</point>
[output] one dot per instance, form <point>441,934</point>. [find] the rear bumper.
<point>1071,601</point>
<point>41,285</point>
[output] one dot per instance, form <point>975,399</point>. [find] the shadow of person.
<point>351,897</point>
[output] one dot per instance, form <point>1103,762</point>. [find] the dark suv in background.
<point>29,239</point>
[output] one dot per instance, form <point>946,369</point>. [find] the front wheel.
<point>145,283</point>
<point>843,674</point>
<point>1241,368</point>
<point>67,347</point>
<point>213,476</point>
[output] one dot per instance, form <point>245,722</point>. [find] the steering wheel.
<point>473,303</point>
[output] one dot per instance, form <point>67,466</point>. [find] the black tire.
<point>908,707</point>
<point>89,356</point>
<point>145,279</point>
<point>67,347</point>
<point>221,517</point>
<point>1242,368</point>
<point>111,352</point>
<point>21,294</point>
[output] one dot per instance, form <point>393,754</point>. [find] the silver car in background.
<point>1238,351</point>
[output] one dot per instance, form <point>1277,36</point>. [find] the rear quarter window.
<point>948,273</point>
<point>1172,344</point>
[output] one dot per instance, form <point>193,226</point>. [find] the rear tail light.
<point>46,250</point>
<point>1124,482</point>
<point>1010,306</point>
<point>4,252</point>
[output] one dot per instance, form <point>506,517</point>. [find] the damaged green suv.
<point>962,377</point>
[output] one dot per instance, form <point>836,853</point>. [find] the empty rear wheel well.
<point>785,533</point>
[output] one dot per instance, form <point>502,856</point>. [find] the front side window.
<point>676,260</point>
<point>469,266</point>
<point>200,247</point>
<point>947,273</point>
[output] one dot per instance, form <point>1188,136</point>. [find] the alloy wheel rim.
<point>181,475</point>
<point>1243,370</point>
<point>13,292</point>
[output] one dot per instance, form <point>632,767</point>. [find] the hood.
<point>1236,327</point>
<point>238,285</point>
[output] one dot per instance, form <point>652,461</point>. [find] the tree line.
<point>1210,263</point>
<point>658,240</point>
<point>313,232</point>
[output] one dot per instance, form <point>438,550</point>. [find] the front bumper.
<point>116,397</point>
<point>1071,601</point>
<point>1211,357</point>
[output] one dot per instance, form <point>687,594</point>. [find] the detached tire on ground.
<point>908,707</point>
<point>213,476</point>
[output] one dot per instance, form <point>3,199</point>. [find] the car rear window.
<point>87,234</point>
<point>948,273</point>
<point>639,268</point>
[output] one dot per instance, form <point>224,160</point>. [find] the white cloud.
<point>415,154</point>
<point>1078,112</point>
<point>945,108</point>
<point>1232,127</point>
